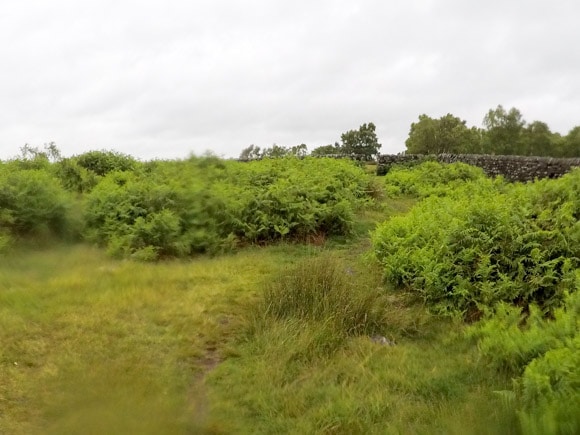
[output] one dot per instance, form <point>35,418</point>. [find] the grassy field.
<point>94,345</point>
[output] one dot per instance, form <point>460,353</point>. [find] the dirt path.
<point>198,398</point>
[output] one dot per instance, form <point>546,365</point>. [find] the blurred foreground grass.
<point>97,346</point>
<point>93,345</point>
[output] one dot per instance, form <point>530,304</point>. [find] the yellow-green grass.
<point>93,345</point>
<point>412,387</point>
<point>297,374</point>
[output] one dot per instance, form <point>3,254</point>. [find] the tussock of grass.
<point>322,289</point>
<point>333,298</point>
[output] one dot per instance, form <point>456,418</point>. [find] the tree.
<point>32,157</point>
<point>504,131</point>
<point>275,152</point>
<point>298,150</point>
<point>538,140</point>
<point>327,150</point>
<point>251,153</point>
<point>361,143</point>
<point>448,134</point>
<point>571,143</point>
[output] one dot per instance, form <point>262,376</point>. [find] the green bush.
<point>176,208</point>
<point>549,388</point>
<point>74,177</point>
<point>144,217</point>
<point>103,162</point>
<point>485,244</point>
<point>293,198</point>
<point>32,202</point>
<point>545,355</point>
<point>429,178</point>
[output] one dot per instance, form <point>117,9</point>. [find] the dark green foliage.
<point>361,144</point>
<point>251,152</point>
<point>73,176</point>
<point>570,144</point>
<point>327,150</point>
<point>103,162</point>
<point>274,152</point>
<point>447,134</point>
<point>5,240</point>
<point>151,217</point>
<point>504,130</point>
<point>277,151</point>
<point>505,133</point>
<point>207,204</point>
<point>32,202</point>
<point>479,246</point>
<point>35,158</point>
<point>538,140</point>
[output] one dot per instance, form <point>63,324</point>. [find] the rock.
<point>384,341</point>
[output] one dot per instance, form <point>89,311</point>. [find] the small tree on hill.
<point>361,143</point>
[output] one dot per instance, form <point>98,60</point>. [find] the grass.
<point>318,370</point>
<point>413,387</point>
<point>93,345</point>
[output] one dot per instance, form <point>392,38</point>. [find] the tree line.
<point>361,144</point>
<point>504,132</point>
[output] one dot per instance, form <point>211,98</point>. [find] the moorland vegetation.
<point>214,296</point>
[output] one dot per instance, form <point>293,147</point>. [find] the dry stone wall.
<point>513,168</point>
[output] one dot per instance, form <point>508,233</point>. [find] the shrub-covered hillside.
<point>508,254</point>
<point>178,208</point>
<point>209,205</point>
<point>362,342</point>
<point>486,242</point>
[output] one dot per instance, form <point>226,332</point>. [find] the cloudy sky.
<point>162,79</point>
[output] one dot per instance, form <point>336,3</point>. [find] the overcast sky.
<point>162,79</point>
